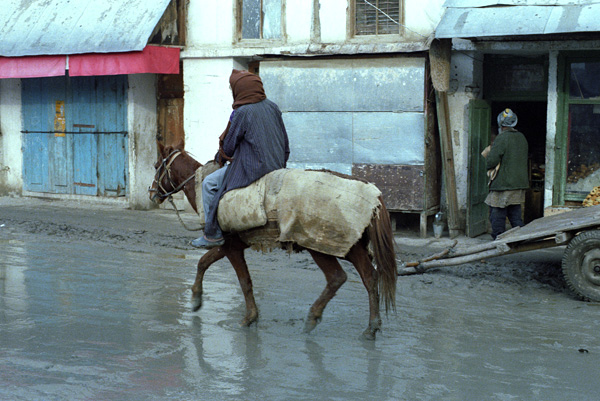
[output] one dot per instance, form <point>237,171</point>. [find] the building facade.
<point>78,98</point>
<point>350,76</point>
<point>353,80</point>
<point>540,59</point>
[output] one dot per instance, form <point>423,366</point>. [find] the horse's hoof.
<point>247,322</point>
<point>311,323</point>
<point>369,334</point>
<point>196,303</point>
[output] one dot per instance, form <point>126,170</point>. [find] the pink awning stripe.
<point>153,59</point>
<point>32,66</point>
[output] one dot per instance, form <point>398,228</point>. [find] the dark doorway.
<point>532,123</point>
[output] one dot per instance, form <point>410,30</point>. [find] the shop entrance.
<point>483,124</point>
<point>532,123</point>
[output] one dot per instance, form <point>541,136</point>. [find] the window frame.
<point>385,37</point>
<point>238,28</point>
<point>560,195</point>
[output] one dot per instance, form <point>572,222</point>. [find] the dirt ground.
<point>94,305</point>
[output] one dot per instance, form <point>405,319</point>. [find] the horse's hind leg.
<point>235,253</point>
<point>335,277</point>
<point>359,257</point>
<point>204,263</point>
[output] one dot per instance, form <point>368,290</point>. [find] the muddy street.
<point>94,304</point>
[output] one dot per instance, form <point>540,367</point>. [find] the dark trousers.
<point>498,217</point>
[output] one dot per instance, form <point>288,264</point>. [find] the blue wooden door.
<point>45,151</point>
<point>112,144</point>
<point>75,137</point>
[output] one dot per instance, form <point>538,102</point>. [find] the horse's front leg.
<point>235,253</point>
<point>204,263</point>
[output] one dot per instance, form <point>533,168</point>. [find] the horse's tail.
<point>382,241</point>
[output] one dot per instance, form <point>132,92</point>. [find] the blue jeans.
<point>210,186</point>
<point>498,217</point>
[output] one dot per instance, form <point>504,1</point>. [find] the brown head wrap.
<point>247,88</point>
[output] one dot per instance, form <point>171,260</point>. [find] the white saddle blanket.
<point>317,210</point>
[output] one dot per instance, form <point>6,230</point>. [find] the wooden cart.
<point>578,229</point>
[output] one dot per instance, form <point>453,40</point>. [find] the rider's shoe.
<point>203,242</point>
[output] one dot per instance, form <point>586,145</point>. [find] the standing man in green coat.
<point>508,156</point>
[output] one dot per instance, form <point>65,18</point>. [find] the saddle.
<point>318,210</point>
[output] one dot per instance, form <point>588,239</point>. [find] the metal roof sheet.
<point>487,3</point>
<point>37,27</point>
<point>514,20</point>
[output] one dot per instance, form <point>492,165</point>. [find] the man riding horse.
<point>254,143</point>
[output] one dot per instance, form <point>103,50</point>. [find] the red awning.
<point>153,60</point>
<point>32,66</point>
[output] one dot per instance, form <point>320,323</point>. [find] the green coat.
<point>510,149</point>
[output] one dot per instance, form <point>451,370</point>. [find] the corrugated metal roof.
<point>487,3</point>
<point>521,17</point>
<point>36,27</point>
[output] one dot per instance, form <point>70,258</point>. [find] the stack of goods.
<point>582,172</point>
<point>593,197</point>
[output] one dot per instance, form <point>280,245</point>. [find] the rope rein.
<point>180,219</point>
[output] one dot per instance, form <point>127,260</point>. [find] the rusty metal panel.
<point>402,186</point>
<point>320,141</point>
<point>388,138</point>
<point>382,84</point>
<point>33,27</point>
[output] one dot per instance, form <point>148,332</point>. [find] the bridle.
<point>164,170</point>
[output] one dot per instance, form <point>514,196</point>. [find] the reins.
<point>170,199</point>
<point>165,170</point>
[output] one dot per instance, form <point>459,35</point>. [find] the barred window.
<point>259,19</point>
<point>377,17</point>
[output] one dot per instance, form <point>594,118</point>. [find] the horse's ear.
<point>179,144</point>
<point>161,148</point>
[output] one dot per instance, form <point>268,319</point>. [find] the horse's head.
<point>175,168</point>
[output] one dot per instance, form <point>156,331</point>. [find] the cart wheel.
<point>581,265</point>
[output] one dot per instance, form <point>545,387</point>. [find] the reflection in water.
<point>225,351</point>
<point>13,290</point>
<point>320,375</point>
<point>99,323</point>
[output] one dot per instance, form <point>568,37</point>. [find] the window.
<point>377,17</point>
<point>259,19</point>
<point>583,132</point>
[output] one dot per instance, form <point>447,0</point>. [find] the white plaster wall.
<point>210,23</point>
<point>466,80</point>
<point>142,127</point>
<point>421,17</point>
<point>332,15</point>
<point>298,20</point>
<point>11,162</point>
<point>208,103</point>
<point>551,126</point>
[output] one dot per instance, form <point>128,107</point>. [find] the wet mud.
<point>94,304</point>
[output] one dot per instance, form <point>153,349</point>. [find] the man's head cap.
<point>507,118</point>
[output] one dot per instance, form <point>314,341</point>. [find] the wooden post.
<point>439,57</point>
<point>443,113</point>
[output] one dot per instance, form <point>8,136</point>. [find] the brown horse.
<point>175,171</point>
